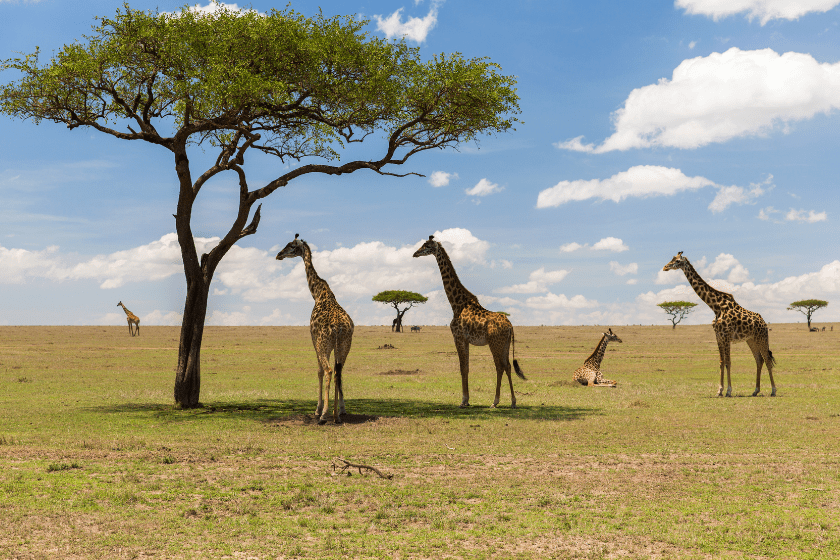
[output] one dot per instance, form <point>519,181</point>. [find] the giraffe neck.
<point>457,294</point>
<point>127,312</point>
<point>318,287</point>
<point>594,360</point>
<point>712,297</point>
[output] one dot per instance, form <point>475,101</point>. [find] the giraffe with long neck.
<point>132,320</point>
<point>331,329</point>
<point>472,324</point>
<point>590,372</point>
<point>732,323</point>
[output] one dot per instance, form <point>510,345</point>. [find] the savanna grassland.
<point>95,462</point>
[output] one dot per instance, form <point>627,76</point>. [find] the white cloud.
<point>570,247</point>
<point>414,29</point>
<point>764,10</point>
<point>623,270</point>
<point>725,262</point>
<point>210,9</point>
<point>538,281</point>
<point>692,44</point>
<point>766,213</point>
<point>801,216</point>
<point>722,96</point>
<point>553,301</point>
<point>640,181</point>
<point>441,178</point>
<point>483,188</point>
<point>613,244</point>
<point>738,195</point>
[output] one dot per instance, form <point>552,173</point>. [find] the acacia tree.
<point>240,83</point>
<point>807,307</point>
<point>397,298</point>
<point>677,310</point>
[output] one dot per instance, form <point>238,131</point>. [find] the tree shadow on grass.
<point>359,411</point>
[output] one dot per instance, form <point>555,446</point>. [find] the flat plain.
<point>96,462</point>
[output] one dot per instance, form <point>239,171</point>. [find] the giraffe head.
<point>430,247</point>
<point>612,337</point>
<point>119,304</point>
<point>678,262</point>
<point>292,249</point>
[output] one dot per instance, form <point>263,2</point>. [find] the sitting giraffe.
<point>590,372</point>
<point>331,329</point>
<point>132,318</point>
<point>472,324</point>
<point>732,323</point>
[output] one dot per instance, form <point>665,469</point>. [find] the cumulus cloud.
<point>441,178</point>
<point>554,301</point>
<point>414,29</point>
<point>643,181</point>
<point>763,10</point>
<point>724,265</point>
<point>571,247</point>
<point>623,270</point>
<point>538,281</point>
<point>640,181</point>
<point>722,96</point>
<point>766,214</point>
<point>483,188</point>
<point>727,196</point>
<point>801,216</point>
<point>613,244</point>
<point>211,8</point>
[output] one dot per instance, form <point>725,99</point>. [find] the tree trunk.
<point>188,372</point>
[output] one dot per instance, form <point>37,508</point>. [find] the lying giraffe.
<point>472,324</point>
<point>590,372</point>
<point>331,329</point>
<point>132,318</point>
<point>732,323</point>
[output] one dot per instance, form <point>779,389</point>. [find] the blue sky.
<point>648,128</point>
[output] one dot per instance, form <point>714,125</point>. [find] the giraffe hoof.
<point>322,421</point>
<point>464,405</point>
<point>773,394</point>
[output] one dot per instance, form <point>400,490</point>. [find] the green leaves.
<point>399,297</point>
<point>306,85</point>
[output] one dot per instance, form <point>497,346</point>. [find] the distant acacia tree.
<point>397,298</point>
<point>242,83</point>
<point>807,307</point>
<point>677,310</point>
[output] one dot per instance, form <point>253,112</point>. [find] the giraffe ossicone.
<point>472,324</point>
<point>331,329</point>
<point>732,323</point>
<point>589,373</point>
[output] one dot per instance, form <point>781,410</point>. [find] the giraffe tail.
<point>338,385</point>
<point>516,367</point>
<point>771,361</point>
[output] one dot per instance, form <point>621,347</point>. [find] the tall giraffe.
<point>732,323</point>
<point>132,318</point>
<point>331,329</point>
<point>590,372</point>
<point>472,324</point>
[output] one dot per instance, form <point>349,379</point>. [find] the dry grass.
<point>95,462</point>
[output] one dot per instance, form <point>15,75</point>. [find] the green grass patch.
<point>95,461</point>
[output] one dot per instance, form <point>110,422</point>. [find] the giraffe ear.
<point>431,238</point>
<point>680,254</point>
<point>297,235</point>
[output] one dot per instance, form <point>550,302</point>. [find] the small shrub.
<point>55,467</point>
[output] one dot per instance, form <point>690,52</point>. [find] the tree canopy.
<point>677,310</point>
<point>397,298</point>
<point>239,82</point>
<point>807,307</point>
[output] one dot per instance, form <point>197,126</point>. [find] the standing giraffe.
<point>472,324</point>
<point>331,329</point>
<point>590,372</point>
<point>732,323</point>
<point>132,318</point>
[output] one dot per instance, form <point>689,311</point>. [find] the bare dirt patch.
<point>400,372</point>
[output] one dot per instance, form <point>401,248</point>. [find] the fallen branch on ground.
<point>348,465</point>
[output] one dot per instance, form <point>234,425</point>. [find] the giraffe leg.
<point>759,362</point>
<point>770,362</point>
<point>728,369</point>
<point>463,348</point>
<point>131,332</point>
<point>500,370</point>
<point>341,358</point>
<point>722,353</point>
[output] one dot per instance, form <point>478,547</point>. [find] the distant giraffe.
<point>472,324</point>
<point>590,372</point>
<point>732,323</point>
<point>132,318</point>
<point>331,329</point>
